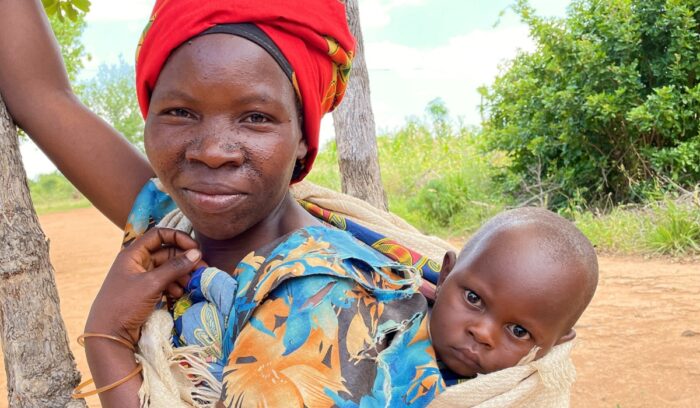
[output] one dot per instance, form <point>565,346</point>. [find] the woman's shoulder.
<point>150,207</point>
<point>323,250</point>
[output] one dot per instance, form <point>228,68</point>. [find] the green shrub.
<point>608,100</point>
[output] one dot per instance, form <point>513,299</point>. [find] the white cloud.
<point>474,56</point>
<point>404,79</point>
<point>377,13</point>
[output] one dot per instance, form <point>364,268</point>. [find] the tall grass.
<point>669,227</point>
<point>434,175</point>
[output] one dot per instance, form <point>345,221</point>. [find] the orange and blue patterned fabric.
<point>322,320</point>
<point>429,269</point>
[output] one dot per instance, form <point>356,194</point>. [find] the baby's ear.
<point>570,335</point>
<point>448,263</point>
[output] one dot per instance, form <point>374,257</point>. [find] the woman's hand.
<point>160,260</point>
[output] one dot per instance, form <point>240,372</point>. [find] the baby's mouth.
<point>469,358</point>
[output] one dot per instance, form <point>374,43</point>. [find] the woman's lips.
<point>212,202</point>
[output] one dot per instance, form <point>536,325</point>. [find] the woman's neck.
<point>262,237</point>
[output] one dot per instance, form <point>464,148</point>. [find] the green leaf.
<point>70,11</point>
<point>53,9</point>
<point>82,5</point>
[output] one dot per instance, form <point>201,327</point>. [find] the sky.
<point>416,51</point>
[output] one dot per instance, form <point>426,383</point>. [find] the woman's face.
<point>223,133</point>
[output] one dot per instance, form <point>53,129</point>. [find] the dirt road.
<point>639,341</point>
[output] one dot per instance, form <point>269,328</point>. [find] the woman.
<point>232,117</point>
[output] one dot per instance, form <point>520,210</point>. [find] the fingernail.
<point>192,255</point>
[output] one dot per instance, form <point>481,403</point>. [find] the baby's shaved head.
<point>557,240</point>
<point>522,281</point>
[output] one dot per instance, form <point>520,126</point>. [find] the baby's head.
<point>522,281</point>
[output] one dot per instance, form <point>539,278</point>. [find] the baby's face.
<point>496,305</point>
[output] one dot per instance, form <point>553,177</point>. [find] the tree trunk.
<point>354,128</point>
<point>40,368</point>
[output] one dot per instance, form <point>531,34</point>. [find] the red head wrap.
<point>313,35</point>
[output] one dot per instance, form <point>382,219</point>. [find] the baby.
<point>521,282</point>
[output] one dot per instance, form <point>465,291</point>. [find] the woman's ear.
<point>570,335</point>
<point>448,263</point>
<point>302,149</point>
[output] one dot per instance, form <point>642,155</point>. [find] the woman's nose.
<point>216,151</point>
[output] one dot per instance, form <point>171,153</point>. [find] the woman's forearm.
<point>109,362</point>
<point>34,84</point>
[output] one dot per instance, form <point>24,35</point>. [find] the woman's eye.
<point>518,331</point>
<point>179,112</point>
<point>472,298</point>
<point>257,118</point>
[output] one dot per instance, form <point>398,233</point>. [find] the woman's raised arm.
<point>34,84</point>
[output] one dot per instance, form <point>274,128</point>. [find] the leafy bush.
<point>111,94</point>
<point>608,101</point>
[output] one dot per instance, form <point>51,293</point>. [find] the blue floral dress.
<point>322,320</point>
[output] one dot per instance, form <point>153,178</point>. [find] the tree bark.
<point>40,368</point>
<point>355,130</point>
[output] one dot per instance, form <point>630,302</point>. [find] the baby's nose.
<point>483,333</point>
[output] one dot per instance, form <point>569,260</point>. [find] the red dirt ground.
<point>639,341</point>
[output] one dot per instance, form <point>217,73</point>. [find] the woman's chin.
<point>218,231</point>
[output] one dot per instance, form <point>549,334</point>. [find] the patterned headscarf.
<point>312,35</point>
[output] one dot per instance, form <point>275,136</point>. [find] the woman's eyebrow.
<point>256,98</point>
<point>175,94</point>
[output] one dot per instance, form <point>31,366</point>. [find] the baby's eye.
<point>257,118</point>
<point>518,331</point>
<point>472,298</point>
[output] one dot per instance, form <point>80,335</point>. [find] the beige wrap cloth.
<point>543,383</point>
<point>168,383</point>
<point>377,220</point>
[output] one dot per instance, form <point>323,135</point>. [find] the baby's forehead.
<point>520,243</point>
<point>529,265</point>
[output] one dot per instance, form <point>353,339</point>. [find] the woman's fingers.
<point>174,269</point>
<point>155,238</point>
<point>164,254</point>
<point>155,241</point>
<point>174,291</point>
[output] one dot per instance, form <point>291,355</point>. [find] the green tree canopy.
<point>607,104</point>
<point>111,94</point>
<point>68,32</point>
<point>72,9</point>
